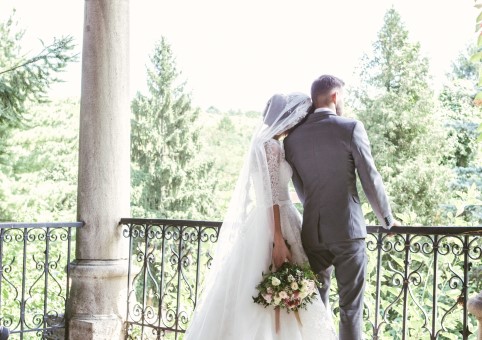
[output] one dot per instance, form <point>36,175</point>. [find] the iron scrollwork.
<point>34,261</point>
<point>417,282</point>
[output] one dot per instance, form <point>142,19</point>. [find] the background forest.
<point>185,160</point>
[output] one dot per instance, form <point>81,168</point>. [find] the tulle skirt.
<point>226,310</point>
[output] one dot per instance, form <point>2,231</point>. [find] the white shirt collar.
<point>323,109</point>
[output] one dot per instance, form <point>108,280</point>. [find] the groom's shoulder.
<point>315,122</point>
<point>346,121</point>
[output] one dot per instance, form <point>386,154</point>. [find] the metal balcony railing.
<point>34,283</point>
<point>418,282</point>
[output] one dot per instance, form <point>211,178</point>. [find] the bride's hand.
<point>281,252</point>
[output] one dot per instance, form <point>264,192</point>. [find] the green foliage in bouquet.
<point>291,287</point>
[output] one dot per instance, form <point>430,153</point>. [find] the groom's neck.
<point>329,106</point>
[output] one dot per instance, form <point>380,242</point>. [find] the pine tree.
<point>24,80</point>
<point>170,179</point>
<point>27,79</point>
<point>464,68</point>
<point>462,116</point>
<point>396,105</point>
<point>462,119</point>
<point>42,184</point>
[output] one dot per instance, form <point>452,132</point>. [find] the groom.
<point>324,151</point>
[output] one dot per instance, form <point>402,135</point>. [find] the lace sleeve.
<point>273,158</point>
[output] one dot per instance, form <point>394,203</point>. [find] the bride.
<point>260,218</point>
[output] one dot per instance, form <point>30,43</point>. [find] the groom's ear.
<point>334,96</point>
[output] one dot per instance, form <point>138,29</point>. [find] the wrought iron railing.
<point>418,282</point>
<point>34,283</point>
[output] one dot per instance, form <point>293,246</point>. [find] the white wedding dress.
<point>226,310</point>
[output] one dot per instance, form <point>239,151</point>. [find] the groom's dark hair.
<point>324,84</point>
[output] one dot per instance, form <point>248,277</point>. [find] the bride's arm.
<point>281,251</point>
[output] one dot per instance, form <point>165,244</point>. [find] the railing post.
<point>474,307</point>
<point>435,286</point>
<point>376,328</point>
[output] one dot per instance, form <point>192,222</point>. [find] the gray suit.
<point>324,153</point>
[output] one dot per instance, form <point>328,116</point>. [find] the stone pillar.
<point>97,304</point>
<point>474,307</point>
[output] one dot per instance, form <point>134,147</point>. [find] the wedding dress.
<point>226,310</point>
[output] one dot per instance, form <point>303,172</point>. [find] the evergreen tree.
<point>461,114</point>
<point>396,105</point>
<point>42,183</point>
<point>24,80</point>
<point>462,119</point>
<point>170,178</point>
<point>464,68</point>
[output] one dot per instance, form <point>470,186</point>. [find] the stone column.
<point>474,307</point>
<point>97,304</point>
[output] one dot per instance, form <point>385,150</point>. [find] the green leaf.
<point>460,209</point>
<point>479,18</point>
<point>475,58</point>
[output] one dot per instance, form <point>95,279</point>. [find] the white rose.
<point>277,300</point>
<point>275,281</point>
<point>294,285</point>
<point>283,294</point>
<point>307,288</point>
<point>311,286</point>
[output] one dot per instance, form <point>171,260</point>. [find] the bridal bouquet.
<point>291,287</point>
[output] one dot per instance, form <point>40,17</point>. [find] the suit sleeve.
<point>297,182</point>
<point>369,176</point>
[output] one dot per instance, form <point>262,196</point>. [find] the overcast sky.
<point>235,54</point>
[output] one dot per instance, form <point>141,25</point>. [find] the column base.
<point>105,327</point>
<point>98,300</point>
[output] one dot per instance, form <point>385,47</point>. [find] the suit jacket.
<point>324,152</point>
